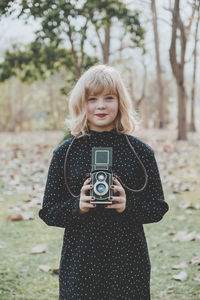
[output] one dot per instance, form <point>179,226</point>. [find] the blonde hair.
<point>95,80</point>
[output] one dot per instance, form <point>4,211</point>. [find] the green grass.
<point>20,278</point>
<point>165,253</point>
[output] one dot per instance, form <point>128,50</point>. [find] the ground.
<point>173,242</point>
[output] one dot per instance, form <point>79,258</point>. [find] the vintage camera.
<point>101,175</point>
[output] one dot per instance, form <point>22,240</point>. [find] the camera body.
<point>101,175</point>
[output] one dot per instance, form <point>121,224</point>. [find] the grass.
<point>20,278</point>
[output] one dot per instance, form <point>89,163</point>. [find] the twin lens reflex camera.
<point>101,175</point>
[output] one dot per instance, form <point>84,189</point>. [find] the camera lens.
<point>101,176</point>
<point>101,188</point>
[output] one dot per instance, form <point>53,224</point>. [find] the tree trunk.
<point>182,132</point>
<point>192,115</point>
<point>158,66</point>
<point>106,46</point>
<point>178,68</point>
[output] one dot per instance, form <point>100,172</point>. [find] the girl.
<point>104,253</point>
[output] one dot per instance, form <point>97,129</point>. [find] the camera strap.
<point>87,175</point>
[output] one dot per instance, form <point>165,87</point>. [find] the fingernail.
<point>112,186</point>
<point>111,197</point>
<point>94,204</point>
<point>93,198</point>
<point>91,186</point>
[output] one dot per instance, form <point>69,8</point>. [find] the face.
<point>101,111</point>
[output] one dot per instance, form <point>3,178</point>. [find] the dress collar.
<point>102,133</point>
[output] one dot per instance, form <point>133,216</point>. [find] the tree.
<point>192,115</point>
<point>106,13</point>
<point>179,30</point>
<point>158,65</point>
<point>65,26</point>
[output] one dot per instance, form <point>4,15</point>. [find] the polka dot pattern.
<point>104,253</point>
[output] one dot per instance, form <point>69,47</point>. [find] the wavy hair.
<point>97,79</point>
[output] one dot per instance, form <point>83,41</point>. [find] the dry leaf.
<point>40,248</point>
<point>183,236</point>
<point>28,215</point>
<point>175,255</point>
<point>182,276</point>
<point>15,218</point>
<point>179,218</point>
<point>181,265</point>
<point>195,260</point>
<point>171,197</point>
<point>188,205</point>
<point>197,278</point>
<point>44,268</point>
<point>197,237</point>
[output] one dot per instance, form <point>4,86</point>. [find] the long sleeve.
<point>58,208</point>
<point>149,205</point>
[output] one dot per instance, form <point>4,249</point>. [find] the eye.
<point>109,98</point>
<point>91,99</point>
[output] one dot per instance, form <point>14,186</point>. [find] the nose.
<point>100,103</point>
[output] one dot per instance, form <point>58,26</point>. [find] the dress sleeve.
<point>59,208</point>
<point>147,206</point>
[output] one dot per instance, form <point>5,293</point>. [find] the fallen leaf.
<point>183,236</point>
<point>40,248</point>
<point>44,268</point>
<point>197,278</point>
<point>197,237</point>
<point>195,260</point>
<point>165,233</point>
<point>179,218</point>
<point>190,212</point>
<point>171,197</point>
<point>182,276</point>
<point>175,255</point>
<point>28,215</point>
<point>188,205</point>
<point>181,265</point>
<point>15,218</point>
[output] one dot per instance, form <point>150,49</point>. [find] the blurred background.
<point>46,46</point>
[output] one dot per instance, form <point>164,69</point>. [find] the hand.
<point>84,204</point>
<point>119,202</point>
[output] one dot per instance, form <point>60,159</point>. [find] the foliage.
<point>62,38</point>
<point>36,61</point>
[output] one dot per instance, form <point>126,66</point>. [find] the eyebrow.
<point>104,95</point>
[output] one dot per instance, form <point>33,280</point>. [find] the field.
<point>27,273</point>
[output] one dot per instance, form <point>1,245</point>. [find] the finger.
<point>86,188</point>
<point>87,198</point>
<point>116,181</point>
<point>87,181</point>
<point>114,206</point>
<point>119,189</point>
<point>88,205</point>
<point>118,199</point>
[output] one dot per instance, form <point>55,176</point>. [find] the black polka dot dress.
<point>104,253</point>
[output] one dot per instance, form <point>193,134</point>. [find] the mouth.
<point>101,115</point>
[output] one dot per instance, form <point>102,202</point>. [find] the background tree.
<point>65,29</point>
<point>158,65</point>
<point>193,91</point>
<point>108,13</point>
<point>181,32</point>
